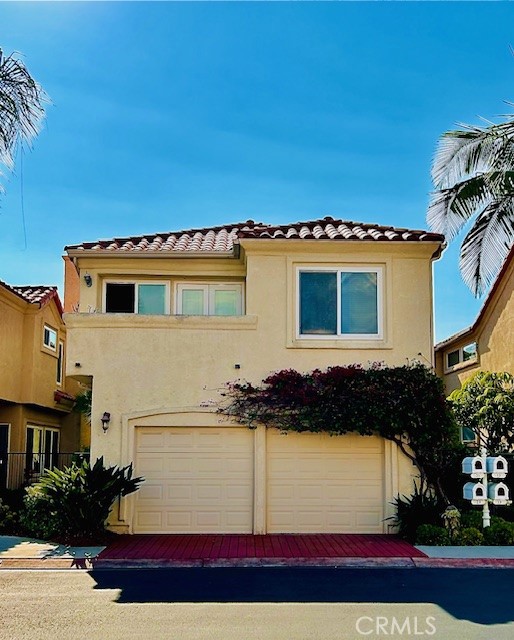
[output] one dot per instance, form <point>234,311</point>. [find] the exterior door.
<point>324,484</point>
<point>197,480</point>
<point>4,458</point>
<point>41,451</point>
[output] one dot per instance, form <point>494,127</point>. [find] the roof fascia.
<point>117,253</point>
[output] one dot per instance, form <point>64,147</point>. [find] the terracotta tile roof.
<point>222,239</point>
<point>35,294</point>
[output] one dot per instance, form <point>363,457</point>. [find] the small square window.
<point>453,358</point>
<point>467,435</point>
<point>469,352</point>
<point>50,338</point>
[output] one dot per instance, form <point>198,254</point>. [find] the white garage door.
<point>321,483</point>
<point>197,480</point>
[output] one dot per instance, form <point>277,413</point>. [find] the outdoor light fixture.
<point>106,418</point>
<point>88,280</point>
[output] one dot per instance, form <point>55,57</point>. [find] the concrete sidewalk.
<point>27,553</point>
<point>17,552</point>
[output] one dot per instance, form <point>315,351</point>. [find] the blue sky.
<point>172,115</point>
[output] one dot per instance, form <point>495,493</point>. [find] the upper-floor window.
<point>341,302</point>
<point>49,338</point>
<point>468,353</point>
<point>209,299</point>
<point>136,297</point>
<point>60,363</point>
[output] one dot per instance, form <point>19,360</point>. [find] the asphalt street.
<point>275,603</point>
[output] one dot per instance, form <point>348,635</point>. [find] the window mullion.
<point>339,318</point>
<point>136,297</point>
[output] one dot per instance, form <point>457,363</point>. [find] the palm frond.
<point>450,209</point>
<point>487,244</point>
<point>465,152</point>
<point>21,107</point>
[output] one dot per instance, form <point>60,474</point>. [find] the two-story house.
<point>487,344</point>
<point>165,320</point>
<point>36,423</point>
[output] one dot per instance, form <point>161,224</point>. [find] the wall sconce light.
<point>106,418</point>
<point>88,280</point>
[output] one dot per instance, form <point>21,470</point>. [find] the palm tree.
<point>473,172</point>
<point>21,108</point>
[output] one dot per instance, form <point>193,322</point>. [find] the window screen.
<point>359,306</point>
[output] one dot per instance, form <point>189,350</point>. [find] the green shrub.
<point>420,508</point>
<point>469,537</point>
<point>9,523</point>
<point>507,513</point>
<point>499,533</point>
<point>471,519</point>
<point>76,502</point>
<point>432,535</point>
<point>37,518</point>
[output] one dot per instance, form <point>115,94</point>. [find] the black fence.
<point>22,469</point>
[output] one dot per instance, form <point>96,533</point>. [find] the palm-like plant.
<point>473,172</point>
<point>21,108</point>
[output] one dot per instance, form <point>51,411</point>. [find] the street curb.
<point>93,564</point>
<point>85,564</point>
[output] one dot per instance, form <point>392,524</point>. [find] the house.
<point>488,344</point>
<point>164,320</point>
<point>36,400</point>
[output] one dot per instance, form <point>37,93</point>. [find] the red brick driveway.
<point>229,546</point>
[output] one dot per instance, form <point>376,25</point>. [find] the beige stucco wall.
<point>493,333</point>
<point>29,369</point>
<point>140,363</point>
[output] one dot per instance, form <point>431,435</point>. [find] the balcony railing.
<point>22,469</point>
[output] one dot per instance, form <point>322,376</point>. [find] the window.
<point>60,362</point>
<point>147,298</point>
<point>49,338</point>
<point>468,353</point>
<point>343,303</point>
<point>209,299</point>
<point>467,435</point>
<point>41,452</point>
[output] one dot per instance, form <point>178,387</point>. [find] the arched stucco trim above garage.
<point>259,458</point>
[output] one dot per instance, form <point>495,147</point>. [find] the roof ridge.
<point>223,238</point>
<point>39,294</point>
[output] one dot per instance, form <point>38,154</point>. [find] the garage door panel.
<point>318,483</point>
<point>198,479</point>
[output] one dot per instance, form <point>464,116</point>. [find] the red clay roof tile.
<point>222,239</point>
<point>35,294</point>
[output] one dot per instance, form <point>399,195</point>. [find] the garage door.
<point>321,483</point>
<point>197,480</point>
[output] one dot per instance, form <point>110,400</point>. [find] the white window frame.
<point>60,363</point>
<point>338,270</point>
<point>136,284</point>
<point>47,327</point>
<point>42,452</point>
<point>209,289</point>
<point>461,363</point>
<point>464,440</point>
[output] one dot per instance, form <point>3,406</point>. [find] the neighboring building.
<point>36,423</point>
<point>166,319</point>
<point>488,344</point>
